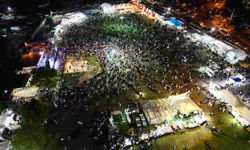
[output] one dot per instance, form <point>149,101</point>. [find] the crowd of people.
<point>150,55</point>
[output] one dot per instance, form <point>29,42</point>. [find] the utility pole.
<point>231,17</point>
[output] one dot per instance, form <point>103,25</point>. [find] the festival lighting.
<point>41,53</point>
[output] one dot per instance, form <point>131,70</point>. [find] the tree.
<point>45,77</point>
<point>33,135</point>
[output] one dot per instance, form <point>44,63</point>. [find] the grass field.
<point>93,68</point>
<point>194,138</point>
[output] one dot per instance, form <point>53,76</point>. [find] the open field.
<point>90,69</point>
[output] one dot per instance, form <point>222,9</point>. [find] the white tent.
<point>107,9</point>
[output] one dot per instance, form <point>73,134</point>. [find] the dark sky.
<point>29,7</point>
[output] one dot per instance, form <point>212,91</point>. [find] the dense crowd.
<point>132,51</point>
<point>147,55</point>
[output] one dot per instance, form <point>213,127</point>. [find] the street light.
<point>9,8</point>
<point>212,29</point>
<point>169,8</point>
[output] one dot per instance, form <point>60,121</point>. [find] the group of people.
<point>148,56</point>
<point>151,55</point>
